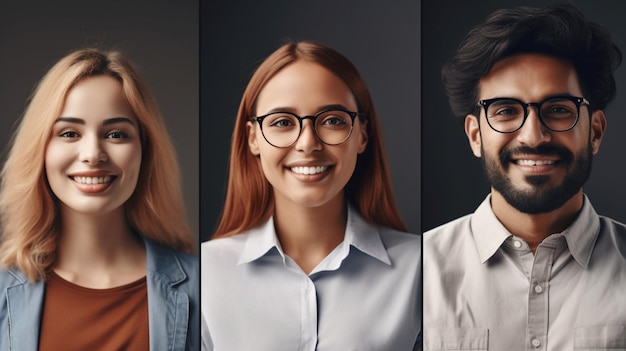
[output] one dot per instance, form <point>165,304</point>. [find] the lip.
<point>535,164</point>
<point>92,182</point>
<point>309,171</point>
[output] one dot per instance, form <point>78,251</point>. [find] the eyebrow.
<point>321,108</point>
<point>106,122</point>
<point>547,97</point>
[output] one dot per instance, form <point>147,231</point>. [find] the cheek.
<point>56,156</point>
<point>127,157</point>
<point>348,157</point>
<point>133,159</point>
<point>493,144</point>
<point>270,157</point>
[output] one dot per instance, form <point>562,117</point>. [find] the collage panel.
<point>307,249</point>
<point>524,241</point>
<point>99,197</point>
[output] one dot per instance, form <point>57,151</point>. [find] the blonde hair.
<point>29,211</point>
<point>249,200</point>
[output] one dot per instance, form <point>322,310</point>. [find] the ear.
<point>364,136</point>
<point>472,130</point>
<point>598,125</point>
<point>252,139</point>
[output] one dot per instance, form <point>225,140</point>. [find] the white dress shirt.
<point>485,290</point>
<point>365,295</point>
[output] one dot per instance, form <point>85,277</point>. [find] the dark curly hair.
<point>557,30</point>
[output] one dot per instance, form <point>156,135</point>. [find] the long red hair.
<point>249,199</point>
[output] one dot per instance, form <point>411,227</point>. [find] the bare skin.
<point>308,235</point>
<point>99,252</point>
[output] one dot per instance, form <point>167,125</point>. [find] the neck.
<point>309,234</point>
<point>98,251</point>
<point>534,228</point>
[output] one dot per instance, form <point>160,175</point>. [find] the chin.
<point>91,208</point>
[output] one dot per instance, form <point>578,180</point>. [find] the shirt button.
<point>536,342</point>
<point>538,290</point>
<point>517,243</point>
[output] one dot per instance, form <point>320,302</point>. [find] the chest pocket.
<point>609,337</point>
<point>451,339</point>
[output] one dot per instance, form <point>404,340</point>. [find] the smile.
<point>92,180</point>
<point>309,170</point>
<point>534,162</point>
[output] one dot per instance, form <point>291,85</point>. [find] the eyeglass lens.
<point>282,129</point>
<point>558,114</point>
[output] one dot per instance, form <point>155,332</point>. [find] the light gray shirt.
<point>365,295</point>
<point>485,290</point>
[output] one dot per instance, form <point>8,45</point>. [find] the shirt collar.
<point>365,237</point>
<point>359,234</point>
<point>489,234</point>
<point>260,240</point>
<point>581,235</point>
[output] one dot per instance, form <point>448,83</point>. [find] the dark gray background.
<point>159,36</point>
<point>453,183</point>
<point>381,38</point>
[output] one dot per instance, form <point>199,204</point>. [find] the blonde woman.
<point>93,224</point>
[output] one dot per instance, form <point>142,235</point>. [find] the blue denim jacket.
<point>173,306</point>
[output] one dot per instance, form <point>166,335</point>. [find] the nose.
<point>91,151</point>
<point>308,140</point>
<point>533,133</point>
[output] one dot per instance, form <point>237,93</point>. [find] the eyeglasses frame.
<point>313,118</point>
<point>525,105</point>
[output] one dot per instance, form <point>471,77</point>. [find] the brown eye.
<point>69,134</point>
<point>117,135</point>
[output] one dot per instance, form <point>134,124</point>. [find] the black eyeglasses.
<point>282,128</point>
<point>557,113</point>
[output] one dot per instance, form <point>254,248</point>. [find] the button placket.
<point>309,316</point>
<point>538,297</point>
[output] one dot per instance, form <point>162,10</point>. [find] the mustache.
<point>561,152</point>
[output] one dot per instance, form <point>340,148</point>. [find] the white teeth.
<point>308,170</point>
<point>92,180</point>
<point>534,162</point>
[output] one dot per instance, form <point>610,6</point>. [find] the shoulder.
<point>612,237</point>
<point>226,248</point>
<point>612,225</point>
<point>164,252</point>
<point>226,243</point>
<point>448,232</point>
<point>189,262</point>
<point>395,238</point>
<point>171,265</point>
<point>405,249</point>
<point>11,277</point>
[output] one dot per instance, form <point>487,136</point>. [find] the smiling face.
<point>308,173</point>
<point>534,169</point>
<point>93,155</point>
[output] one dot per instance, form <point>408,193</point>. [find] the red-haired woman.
<point>310,251</point>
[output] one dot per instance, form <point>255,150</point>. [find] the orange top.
<point>79,318</point>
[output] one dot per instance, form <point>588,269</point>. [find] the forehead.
<point>304,87</point>
<point>97,97</point>
<point>530,77</point>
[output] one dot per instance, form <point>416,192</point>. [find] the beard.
<point>541,197</point>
